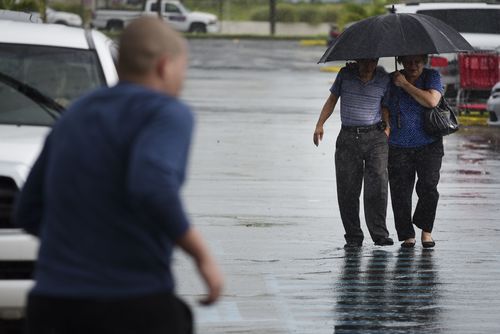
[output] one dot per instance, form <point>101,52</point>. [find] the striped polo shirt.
<point>360,102</point>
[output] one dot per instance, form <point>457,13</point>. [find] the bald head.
<point>143,43</point>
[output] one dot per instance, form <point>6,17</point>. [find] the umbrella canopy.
<point>391,35</point>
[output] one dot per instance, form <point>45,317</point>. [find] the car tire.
<point>198,28</point>
<point>114,25</point>
<point>61,22</point>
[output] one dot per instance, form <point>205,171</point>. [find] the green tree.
<point>7,4</point>
<point>351,12</point>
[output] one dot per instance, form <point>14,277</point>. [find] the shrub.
<point>330,14</point>
<point>284,13</point>
<point>26,6</point>
<point>352,12</point>
<point>66,7</point>
<point>261,14</point>
<point>310,15</point>
<point>6,4</point>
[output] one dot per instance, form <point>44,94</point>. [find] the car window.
<point>62,74</point>
<point>485,21</point>
<point>171,8</point>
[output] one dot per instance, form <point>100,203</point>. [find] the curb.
<point>473,120</point>
<point>330,69</point>
<point>312,42</point>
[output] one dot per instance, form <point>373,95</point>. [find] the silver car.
<point>493,106</point>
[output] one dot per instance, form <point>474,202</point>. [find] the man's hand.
<point>318,134</point>
<point>213,280</point>
<point>387,131</point>
<point>192,243</point>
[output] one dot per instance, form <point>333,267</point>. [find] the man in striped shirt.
<point>361,148</point>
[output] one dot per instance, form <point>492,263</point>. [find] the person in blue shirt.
<point>413,154</point>
<point>361,149</point>
<point>103,198</point>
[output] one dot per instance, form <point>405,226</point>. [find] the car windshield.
<point>61,74</point>
<point>483,21</point>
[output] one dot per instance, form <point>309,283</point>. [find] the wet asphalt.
<point>264,197</point>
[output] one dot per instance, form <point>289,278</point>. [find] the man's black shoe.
<point>353,245</point>
<point>384,242</point>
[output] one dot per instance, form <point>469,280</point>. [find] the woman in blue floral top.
<point>413,154</point>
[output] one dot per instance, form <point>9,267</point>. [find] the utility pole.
<point>158,8</point>
<point>43,10</point>
<point>272,16</point>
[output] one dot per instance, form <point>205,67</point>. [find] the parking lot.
<point>265,197</point>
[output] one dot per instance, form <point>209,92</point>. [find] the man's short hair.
<point>142,42</point>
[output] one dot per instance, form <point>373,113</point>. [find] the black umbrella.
<point>392,34</point>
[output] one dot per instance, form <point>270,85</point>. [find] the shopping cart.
<point>479,72</point>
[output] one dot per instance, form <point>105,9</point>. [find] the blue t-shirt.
<point>103,196</point>
<point>360,102</point>
<point>411,133</point>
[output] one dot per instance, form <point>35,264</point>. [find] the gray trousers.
<point>362,159</point>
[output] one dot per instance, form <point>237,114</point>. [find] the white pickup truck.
<point>43,67</point>
<point>173,12</point>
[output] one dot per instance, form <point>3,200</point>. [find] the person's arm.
<point>326,112</point>
<point>156,173</point>
<point>428,98</point>
<point>28,210</point>
<point>387,120</point>
<point>192,243</point>
<point>156,167</point>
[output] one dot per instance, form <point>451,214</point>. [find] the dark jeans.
<point>159,314</point>
<point>362,159</point>
<point>404,164</point>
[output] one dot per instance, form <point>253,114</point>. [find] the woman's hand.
<point>427,98</point>
<point>318,134</point>
<point>399,79</point>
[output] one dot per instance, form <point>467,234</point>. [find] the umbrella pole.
<point>398,116</point>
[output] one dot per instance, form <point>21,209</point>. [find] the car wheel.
<point>198,28</point>
<point>61,22</point>
<point>114,25</point>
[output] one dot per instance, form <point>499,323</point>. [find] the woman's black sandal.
<point>428,244</point>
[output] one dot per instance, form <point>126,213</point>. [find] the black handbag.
<point>440,120</point>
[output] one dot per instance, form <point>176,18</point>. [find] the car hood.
<point>483,41</point>
<point>19,147</point>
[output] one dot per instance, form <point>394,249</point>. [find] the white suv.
<point>43,68</point>
<point>478,23</point>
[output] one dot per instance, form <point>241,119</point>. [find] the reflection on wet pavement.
<point>382,294</point>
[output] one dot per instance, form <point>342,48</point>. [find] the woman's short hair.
<point>425,58</point>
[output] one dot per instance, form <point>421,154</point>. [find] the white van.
<point>478,23</point>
